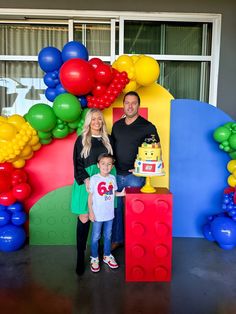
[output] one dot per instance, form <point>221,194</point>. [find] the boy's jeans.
<point>96,235</point>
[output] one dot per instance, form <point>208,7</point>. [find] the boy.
<point>101,210</point>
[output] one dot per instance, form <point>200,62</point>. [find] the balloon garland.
<point>222,227</point>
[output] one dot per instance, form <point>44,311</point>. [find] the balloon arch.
<point>74,84</point>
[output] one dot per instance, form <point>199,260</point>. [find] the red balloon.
<point>114,72</point>
<point>95,62</point>
<point>21,191</point>
<point>115,92</point>
<point>6,166</point>
<point>124,74</point>
<point>18,176</point>
<point>77,76</point>
<point>103,74</point>
<point>7,198</point>
<point>99,90</point>
<point>5,182</point>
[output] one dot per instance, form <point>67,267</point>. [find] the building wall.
<point>227,69</point>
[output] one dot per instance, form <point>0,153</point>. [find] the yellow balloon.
<point>232,181</point>
<point>34,140</point>
<point>131,86</point>
<point>29,156</point>
<point>231,165</point>
<point>146,71</point>
<point>131,73</point>
<point>17,121</point>
<point>2,143</point>
<point>114,65</point>
<point>7,131</point>
<point>19,163</point>
<point>3,119</point>
<point>37,146</point>
<point>234,173</point>
<point>124,63</point>
<point>135,58</point>
<point>27,150</point>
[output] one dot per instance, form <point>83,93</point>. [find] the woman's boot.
<point>82,236</point>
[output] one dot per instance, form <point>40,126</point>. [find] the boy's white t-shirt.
<point>103,190</point>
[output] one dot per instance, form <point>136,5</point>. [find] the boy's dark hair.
<point>132,93</point>
<point>106,155</point>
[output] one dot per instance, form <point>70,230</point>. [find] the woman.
<point>93,141</point>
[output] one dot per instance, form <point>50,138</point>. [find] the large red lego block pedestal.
<point>148,235</point>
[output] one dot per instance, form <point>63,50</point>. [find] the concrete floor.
<point>41,280</point>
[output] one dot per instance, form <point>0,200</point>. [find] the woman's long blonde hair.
<point>87,134</point>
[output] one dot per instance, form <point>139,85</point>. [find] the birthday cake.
<point>148,161</point>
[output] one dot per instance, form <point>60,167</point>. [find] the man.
<point>128,134</point>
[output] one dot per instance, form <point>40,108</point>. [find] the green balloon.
<point>225,143</point>
<point>71,130</point>
<point>232,141</point>
<point>67,107</point>
<point>221,134</point>
<point>74,125</point>
<point>45,141</point>
<point>84,112</point>
<point>60,126</point>
<point>81,121</point>
<point>41,117</point>
<point>233,155</point>
<point>60,133</point>
<point>79,131</point>
<point>229,125</point>
<point>44,135</point>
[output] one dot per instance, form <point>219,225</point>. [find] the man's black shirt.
<point>127,139</point>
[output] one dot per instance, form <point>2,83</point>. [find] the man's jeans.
<point>118,222</point>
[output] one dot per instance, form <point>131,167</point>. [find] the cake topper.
<point>151,139</point>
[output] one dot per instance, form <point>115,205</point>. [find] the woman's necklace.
<point>98,137</point>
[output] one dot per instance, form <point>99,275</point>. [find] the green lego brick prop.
<point>51,221</point>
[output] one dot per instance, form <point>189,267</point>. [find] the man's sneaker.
<point>94,264</point>
<point>110,261</point>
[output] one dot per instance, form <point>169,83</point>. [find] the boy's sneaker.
<point>94,264</point>
<point>110,261</point>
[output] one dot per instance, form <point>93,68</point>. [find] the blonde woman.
<point>93,141</point>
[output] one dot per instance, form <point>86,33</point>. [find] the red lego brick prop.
<point>148,235</point>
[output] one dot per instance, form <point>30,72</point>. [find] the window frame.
<point>69,17</point>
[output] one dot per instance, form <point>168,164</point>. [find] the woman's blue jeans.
<point>118,222</point>
<point>96,235</point>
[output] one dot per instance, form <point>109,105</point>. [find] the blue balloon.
<point>83,101</point>
<point>18,218</point>
<point>2,207</point>
<point>55,74</point>
<point>50,59</point>
<point>224,231</point>
<point>60,89</point>
<point>74,49</point>
<point>206,230</point>
<point>12,238</point>
<point>49,80</point>
<point>15,207</point>
<point>5,217</point>
<point>50,94</point>
<point>232,212</point>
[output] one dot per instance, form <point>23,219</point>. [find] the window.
<point>21,79</point>
<point>95,37</point>
<point>186,47</point>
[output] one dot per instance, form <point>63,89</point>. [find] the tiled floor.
<point>41,279</point>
